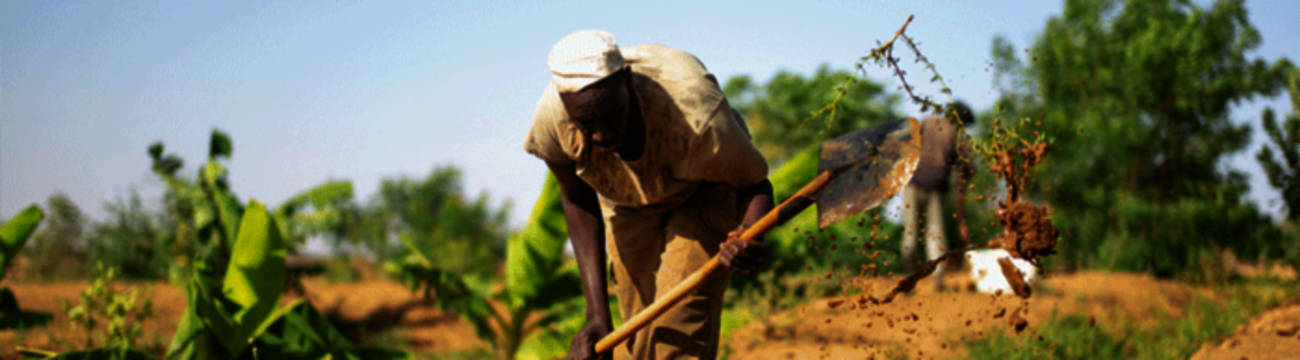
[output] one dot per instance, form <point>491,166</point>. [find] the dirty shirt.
<point>692,135</point>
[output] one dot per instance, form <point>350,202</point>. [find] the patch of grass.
<point>1061,338</point>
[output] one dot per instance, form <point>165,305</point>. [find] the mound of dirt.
<point>926,324</point>
<point>1274,334</point>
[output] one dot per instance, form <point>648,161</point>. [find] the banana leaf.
<point>15,232</point>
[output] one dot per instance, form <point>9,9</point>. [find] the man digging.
<point>655,166</point>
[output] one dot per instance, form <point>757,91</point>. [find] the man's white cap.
<point>582,58</point>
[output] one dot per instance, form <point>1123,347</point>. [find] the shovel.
<point>856,172</point>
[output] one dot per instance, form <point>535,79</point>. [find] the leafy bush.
<point>111,317</point>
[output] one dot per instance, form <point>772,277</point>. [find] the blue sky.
<point>312,91</point>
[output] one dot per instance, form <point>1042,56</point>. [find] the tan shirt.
<point>692,135</point>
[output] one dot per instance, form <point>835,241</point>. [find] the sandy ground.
<point>1274,334</point>
<point>363,311</point>
<point>930,324</point>
<point>925,324</point>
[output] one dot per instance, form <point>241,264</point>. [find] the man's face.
<point>600,110</point>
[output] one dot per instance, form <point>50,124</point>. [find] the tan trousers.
<point>653,249</point>
<point>916,199</point>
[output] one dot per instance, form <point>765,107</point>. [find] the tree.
<point>779,113</point>
<point>58,249</point>
<point>465,236</point>
<point>1281,168</point>
<point>1135,95</point>
<point>135,241</point>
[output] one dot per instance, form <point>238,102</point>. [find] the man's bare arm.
<point>742,255</point>
<point>758,201</point>
<point>587,232</point>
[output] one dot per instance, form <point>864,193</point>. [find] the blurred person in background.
<point>941,153</point>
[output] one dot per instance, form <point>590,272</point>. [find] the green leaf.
<point>227,208</point>
<point>535,255</point>
<point>15,232</point>
<point>205,320</point>
<point>219,146</point>
<point>298,331</point>
<point>156,150</point>
<point>255,276</point>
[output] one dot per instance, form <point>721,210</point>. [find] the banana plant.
<point>241,319</point>
<point>538,280</point>
<point>13,235</point>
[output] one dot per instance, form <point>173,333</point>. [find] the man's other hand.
<point>741,255</point>
<point>583,346</point>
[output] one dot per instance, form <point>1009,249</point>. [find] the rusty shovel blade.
<point>871,165</point>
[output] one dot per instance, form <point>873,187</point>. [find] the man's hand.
<point>741,255</point>
<point>583,346</point>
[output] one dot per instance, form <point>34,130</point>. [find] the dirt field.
<point>1275,334</point>
<point>934,325</point>
<point>364,312</point>
<point>923,325</point>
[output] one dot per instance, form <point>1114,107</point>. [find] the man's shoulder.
<point>660,55</point>
<point>680,78</point>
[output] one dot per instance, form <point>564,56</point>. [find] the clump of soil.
<point>1027,230</point>
<point>1014,278</point>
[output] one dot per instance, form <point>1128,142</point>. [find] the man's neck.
<point>633,145</point>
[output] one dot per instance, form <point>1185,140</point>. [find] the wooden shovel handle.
<point>787,209</point>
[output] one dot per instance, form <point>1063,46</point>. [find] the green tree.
<point>134,240</point>
<point>1135,95</point>
<point>1282,167</point>
<point>779,113</point>
<point>58,249</point>
<point>463,235</point>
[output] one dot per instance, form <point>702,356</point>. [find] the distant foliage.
<point>58,249</point>
<point>138,242</point>
<point>1135,97</point>
<point>463,235</point>
<point>1281,157</point>
<point>779,112</point>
